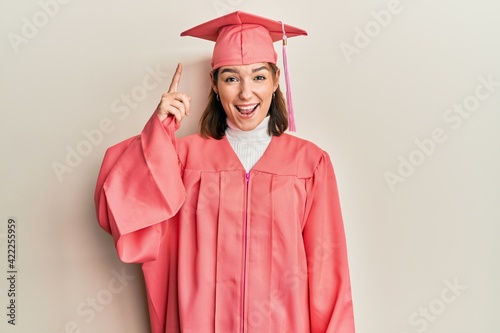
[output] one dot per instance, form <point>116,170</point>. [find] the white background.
<point>365,97</point>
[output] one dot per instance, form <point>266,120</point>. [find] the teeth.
<point>246,108</point>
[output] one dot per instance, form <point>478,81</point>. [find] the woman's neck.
<point>259,133</point>
<point>249,146</point>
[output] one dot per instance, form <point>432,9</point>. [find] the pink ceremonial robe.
<point>222,250</point>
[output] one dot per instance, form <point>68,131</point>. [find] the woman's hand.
<point>174,103</point>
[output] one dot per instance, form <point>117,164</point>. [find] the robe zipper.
<point>243,298</point>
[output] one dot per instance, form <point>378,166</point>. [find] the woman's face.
<point>245,93</point>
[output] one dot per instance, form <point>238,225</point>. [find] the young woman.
<point>238,228</point>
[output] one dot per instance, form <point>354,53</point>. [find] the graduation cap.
<point>242,39</point>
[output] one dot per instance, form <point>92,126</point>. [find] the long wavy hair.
<point>213,120</point>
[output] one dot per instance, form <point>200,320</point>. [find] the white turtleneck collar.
<point>259,133</point>
<point>249,145</point>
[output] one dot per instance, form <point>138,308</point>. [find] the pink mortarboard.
<point>242,39</point>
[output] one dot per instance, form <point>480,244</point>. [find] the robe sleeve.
<point>139,187</point>
<point>330,302</point>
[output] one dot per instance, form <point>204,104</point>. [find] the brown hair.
<point>213,120</point>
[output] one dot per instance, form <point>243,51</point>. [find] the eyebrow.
<point>259,69</point>
<point>229,70</point>
<point>232,70</point>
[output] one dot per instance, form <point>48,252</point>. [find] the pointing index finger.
<point>175,80</point>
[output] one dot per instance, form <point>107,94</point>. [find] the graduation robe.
<point>222,250</point>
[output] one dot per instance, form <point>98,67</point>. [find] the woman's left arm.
<point>330,302</point>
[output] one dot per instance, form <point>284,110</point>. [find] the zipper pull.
<point>247,176</point>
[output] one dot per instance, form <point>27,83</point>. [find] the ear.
<point>212,82</point>
<point>277,79</point>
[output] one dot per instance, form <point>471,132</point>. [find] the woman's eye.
<point>260,77</point>
<point>230,79</point>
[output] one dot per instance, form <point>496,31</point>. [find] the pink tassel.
<point>291,116</point>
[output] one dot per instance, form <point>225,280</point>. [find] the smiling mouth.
<point>247,110</point>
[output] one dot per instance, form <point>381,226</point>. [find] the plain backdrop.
<point>403,95</point>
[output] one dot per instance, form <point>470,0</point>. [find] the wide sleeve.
<point>140,186</point>
<point>330,302</point>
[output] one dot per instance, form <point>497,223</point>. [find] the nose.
<point>245,90</point>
